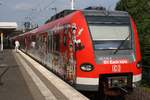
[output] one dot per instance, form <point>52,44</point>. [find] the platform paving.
<point>12,83</point>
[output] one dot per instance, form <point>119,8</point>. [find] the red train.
<point>89,49</point>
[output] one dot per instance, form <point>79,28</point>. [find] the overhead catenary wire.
<point>29,16</point>
<point>49,4</point>
<point>40,14</point>
<point>37,9</point>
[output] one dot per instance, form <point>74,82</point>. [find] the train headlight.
<point>86,67</point>
<point>139,64</point>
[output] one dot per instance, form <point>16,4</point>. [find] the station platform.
<point>22,78</point>
<point>12,83</point>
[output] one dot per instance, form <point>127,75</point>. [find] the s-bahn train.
<point>90,49</point>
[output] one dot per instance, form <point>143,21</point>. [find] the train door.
<point>50,49</point>
<point>27,42</point>
<point>70,53</point>
<point>43,47</point>
<point>55,53</point>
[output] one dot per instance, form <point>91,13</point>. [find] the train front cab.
<point>111,54</point>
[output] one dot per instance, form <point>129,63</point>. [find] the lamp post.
<point>72,4</point>
<point>1,3</point>
<point>1,35</point>
<point>1,41</point>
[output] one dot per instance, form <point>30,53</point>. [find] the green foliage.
<point>140,11</point>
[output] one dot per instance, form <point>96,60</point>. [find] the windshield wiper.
<point>121,44</point>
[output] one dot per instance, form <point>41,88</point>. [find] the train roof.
<point>60,14</point>
<point>104,13</point>
<point>89,13</point>
<point>85,12</point>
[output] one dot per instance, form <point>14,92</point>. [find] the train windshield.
<point>110,37</point>
<point>110,33</point>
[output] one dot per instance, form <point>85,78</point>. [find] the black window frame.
<point>119,20</point>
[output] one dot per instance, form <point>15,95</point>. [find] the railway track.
<point>139,93</point>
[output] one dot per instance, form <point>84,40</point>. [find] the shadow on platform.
<point>13,85</point>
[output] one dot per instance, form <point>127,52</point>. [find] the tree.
<point>140,11</point>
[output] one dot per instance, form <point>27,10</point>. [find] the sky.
<point>38,11</point>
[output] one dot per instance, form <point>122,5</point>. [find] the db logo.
<point>116,68</point>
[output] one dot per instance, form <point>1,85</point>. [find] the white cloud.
<point>23,6</point>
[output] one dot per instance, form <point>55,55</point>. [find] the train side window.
<point>33,41</point>
<point>66,30</point>
<point>49,42</point>
<point>33,38</point>
<point>56,39</point>
<point>65,40</point>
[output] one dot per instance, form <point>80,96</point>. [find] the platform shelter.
<point>6,28</point>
